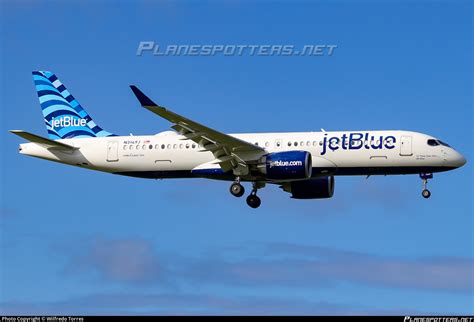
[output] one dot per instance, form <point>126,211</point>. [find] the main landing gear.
<point>253,200</point>
<point>425,176</point>
<point>237,190</point>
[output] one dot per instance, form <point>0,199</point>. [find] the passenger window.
<point>138,147</point>
<point>131,147</point>
<point>157,146</point>
<point>302,143</point>
<point>125,147</point>
<point>194,146</point>
<point>150,146</point>
<point>144,147</point>
<point>187,145</point>
<point>296,143</point>
<point>315,143</point>
<point>308,143</point>
<point>267,144</point>
<point>289,143</point>
<point>169,146</point>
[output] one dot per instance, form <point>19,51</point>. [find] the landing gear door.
<point>112,151</point>
<point>406,146</point>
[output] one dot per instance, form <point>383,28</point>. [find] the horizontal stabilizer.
<point>47,143</point>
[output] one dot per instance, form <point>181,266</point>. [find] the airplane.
<point>303,164</point>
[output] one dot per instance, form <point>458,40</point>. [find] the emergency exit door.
<point>112,151</point>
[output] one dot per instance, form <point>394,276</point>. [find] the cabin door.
<point>405,146</point>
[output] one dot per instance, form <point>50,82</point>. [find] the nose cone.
<point>457,159</point>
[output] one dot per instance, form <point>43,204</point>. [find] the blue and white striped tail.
<point>64,116</point>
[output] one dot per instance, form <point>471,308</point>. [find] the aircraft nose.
<point>457,160</point>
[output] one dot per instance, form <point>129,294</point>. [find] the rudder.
<point>64,117</point>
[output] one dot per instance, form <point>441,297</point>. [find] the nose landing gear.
<point>425,176</point>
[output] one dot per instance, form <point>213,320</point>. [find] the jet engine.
<point>316,188</point>
<point>289,165</point>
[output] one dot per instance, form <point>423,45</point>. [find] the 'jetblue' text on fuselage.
<point>356,141</point>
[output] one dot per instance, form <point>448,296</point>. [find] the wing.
<point>47,143</point>
<point>230,152</point>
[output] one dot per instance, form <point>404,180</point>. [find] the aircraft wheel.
<point>253,201</point>
<point>237,190</point>
<point>426,193</point>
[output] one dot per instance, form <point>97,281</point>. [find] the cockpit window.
<point>445,144</point>
<point>433,142</point>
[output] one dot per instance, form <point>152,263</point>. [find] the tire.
<point>237,190</point>
<point>426,193</point>
<point>254,201</point>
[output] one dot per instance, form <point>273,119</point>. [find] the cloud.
<point>127,260</point>
<point>452,274</point>
<point>309,267</point>
<point>276,265</point>
<point>189,304</point>
<point>7,213</point>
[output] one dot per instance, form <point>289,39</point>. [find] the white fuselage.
<point>170,155</point>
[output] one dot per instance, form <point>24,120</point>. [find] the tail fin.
<point>64,116</point>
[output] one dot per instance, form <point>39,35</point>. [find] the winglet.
<point>142,98</point>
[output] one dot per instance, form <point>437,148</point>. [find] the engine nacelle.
<point>317,188</point>
<point>289,165</point>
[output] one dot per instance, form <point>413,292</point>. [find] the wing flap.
<point>182,123</point>
<point>230,152</point>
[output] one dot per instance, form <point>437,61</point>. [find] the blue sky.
<point>76,241</point>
